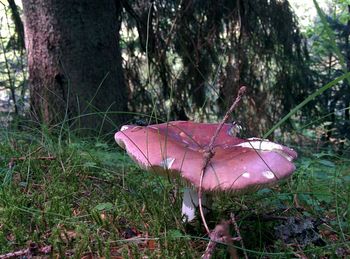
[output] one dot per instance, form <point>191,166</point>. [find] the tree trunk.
<point>16,17</point>
<point>75,62</point>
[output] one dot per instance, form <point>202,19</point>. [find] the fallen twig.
<point>11,164</point>
<point>24,158</point>
<point>220,234</point>
<point>32,250</point>
<point>238,233</point>
<point>209,152</point>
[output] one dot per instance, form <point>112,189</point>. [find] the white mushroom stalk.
<point>190,204</point>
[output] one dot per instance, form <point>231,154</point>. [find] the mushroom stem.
<point>190,203</point>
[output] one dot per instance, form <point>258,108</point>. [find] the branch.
<point>209,152</point>
<point>32,250</point>
<point>23,158</point>
<point>18,23</point>
<point>235,225</point>
<point>220,234</point>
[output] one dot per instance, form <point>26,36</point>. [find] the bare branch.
<point>209,152</point>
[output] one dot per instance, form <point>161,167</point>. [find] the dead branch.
<point>220,234</point>
<point>32,250</point>
<point>209,152</point>
<point>24,158</point>
<point>238,233</point>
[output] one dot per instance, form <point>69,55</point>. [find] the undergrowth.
<point>85,197</point>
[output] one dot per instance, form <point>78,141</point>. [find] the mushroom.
<point>176,149</point>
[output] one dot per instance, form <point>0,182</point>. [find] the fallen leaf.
<point>151,244</point>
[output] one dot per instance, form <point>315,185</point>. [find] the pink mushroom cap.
<point>176,148</point>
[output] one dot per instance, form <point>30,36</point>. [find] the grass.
<point>92,200</point>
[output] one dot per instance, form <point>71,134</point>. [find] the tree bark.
<point>75,62</point>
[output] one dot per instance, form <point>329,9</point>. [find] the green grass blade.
<point>306,101</point>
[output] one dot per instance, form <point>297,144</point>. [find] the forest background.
<point>74,72</point>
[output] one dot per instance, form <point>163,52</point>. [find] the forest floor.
<point>85,198</point>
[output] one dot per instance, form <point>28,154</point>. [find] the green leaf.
<point>264,191</point>
<point>175,234</point>
<point>324,197</point>
<point>104,206</point>
<point>326,163</point>
<point>322,175</point>
<point>347,178</point>
<point>101,145</point>
<point>89,164</point>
